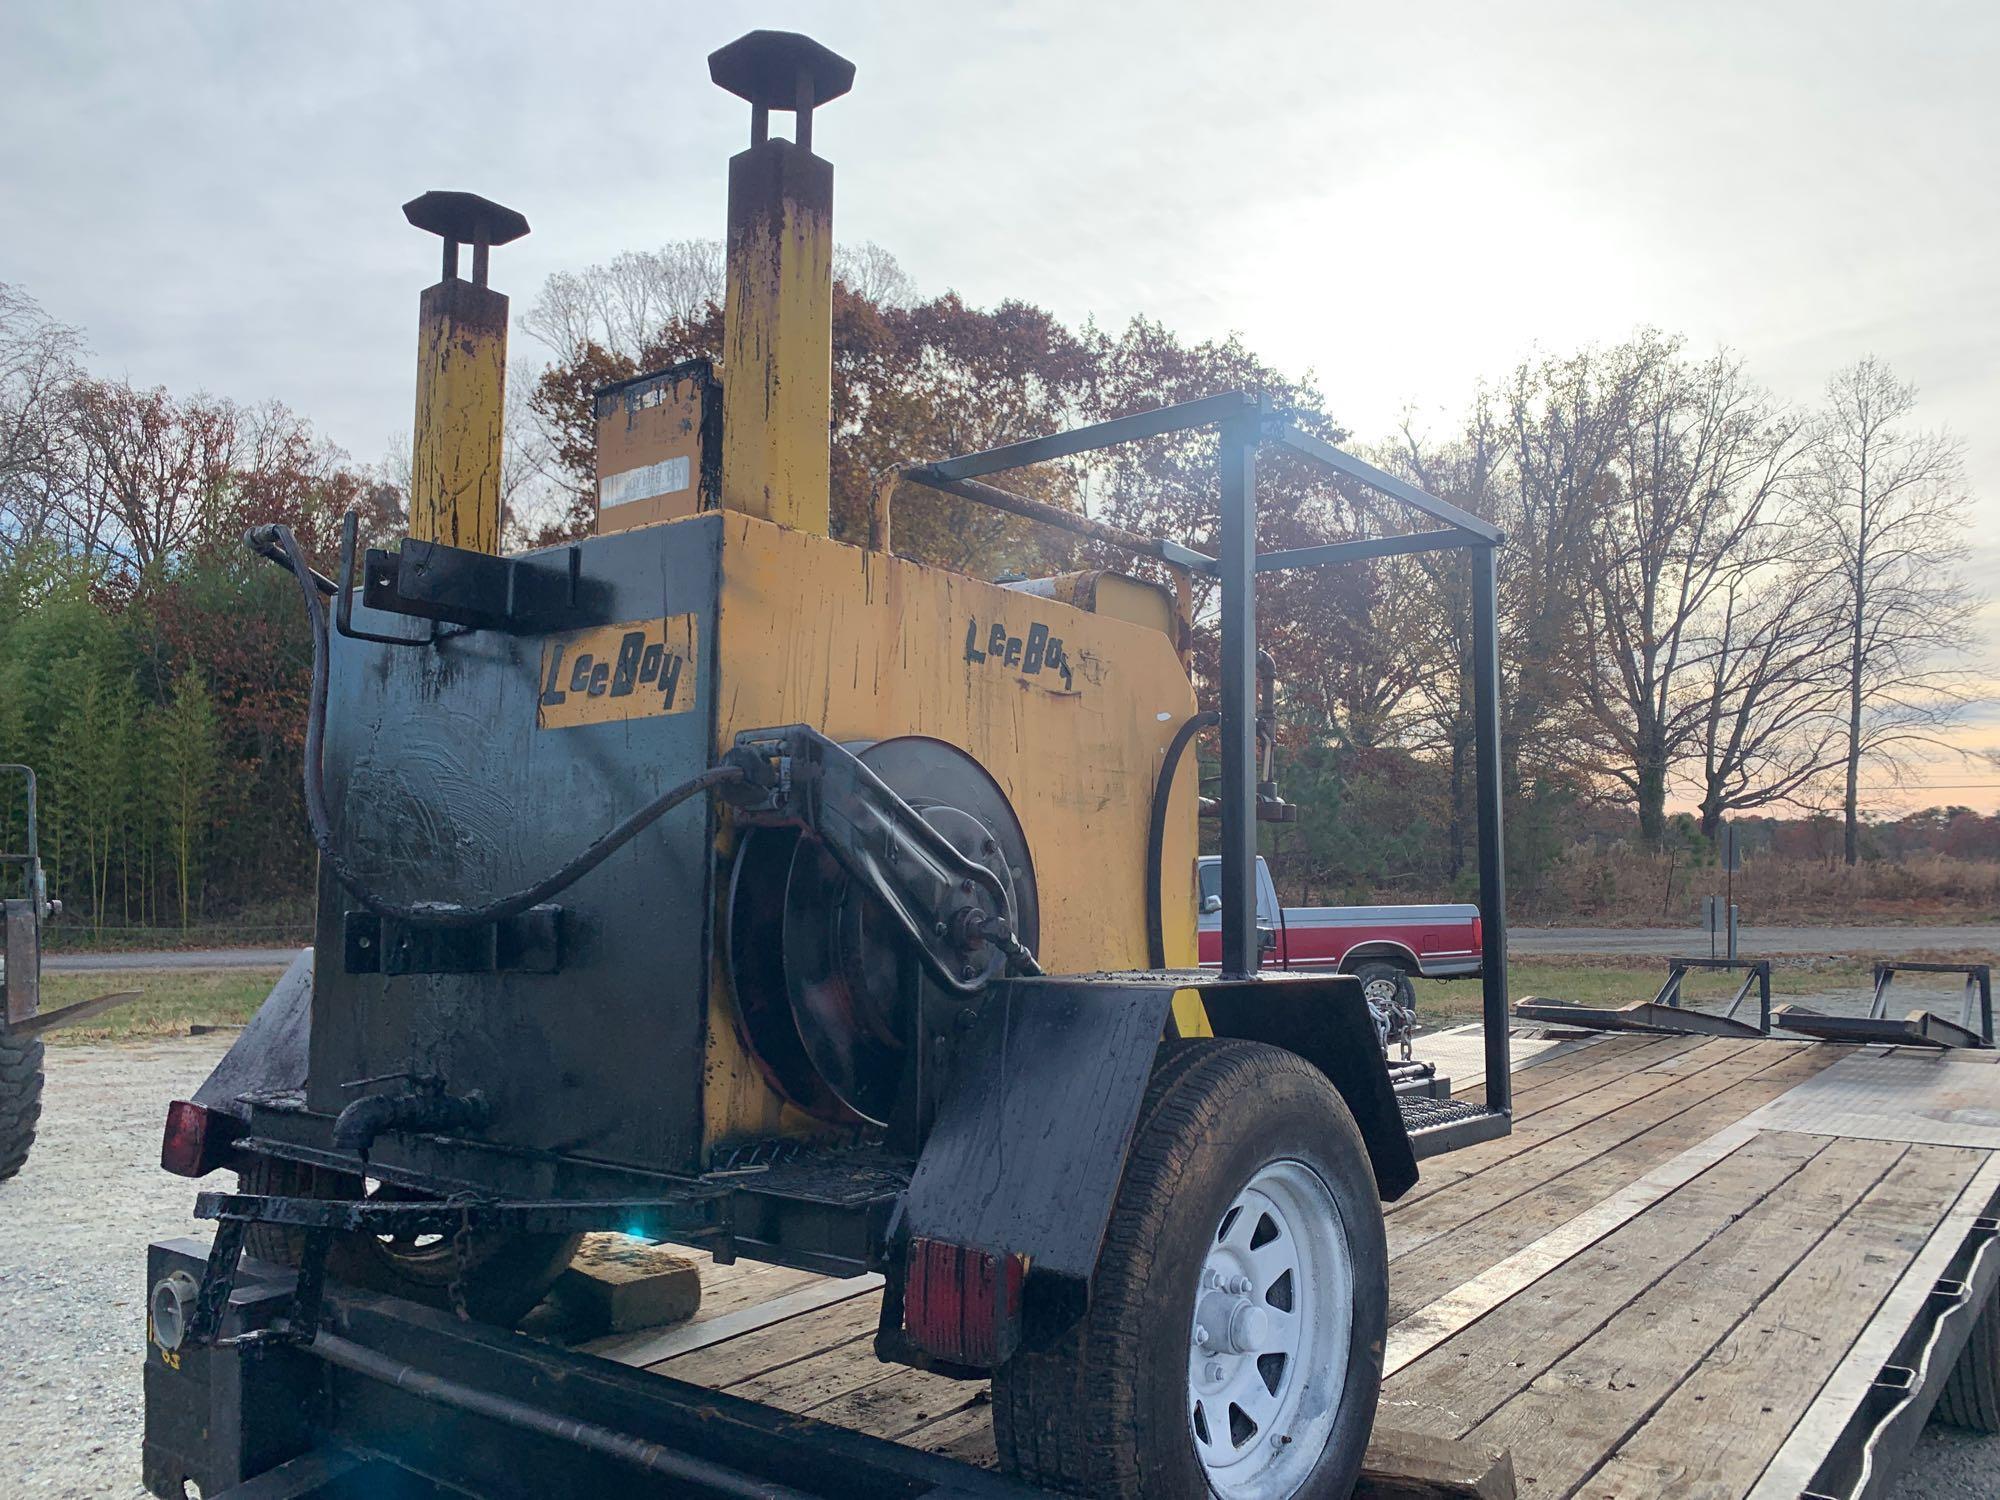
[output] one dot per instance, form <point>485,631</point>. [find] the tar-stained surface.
<point>443,787</point>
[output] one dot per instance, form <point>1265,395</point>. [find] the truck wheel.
<point>20,1100</point>
<point>1971,1395</point>
<point>505,1274</point>
<point>1233,1343</point>
<point>1392,999</point>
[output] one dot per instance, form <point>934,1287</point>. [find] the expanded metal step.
<point>1440,1125</point>
<point>1920,1028</point>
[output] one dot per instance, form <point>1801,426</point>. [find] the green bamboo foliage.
<point>188,738</point>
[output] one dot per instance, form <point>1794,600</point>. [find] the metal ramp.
<point>1664,1012</point>
<point>1918,1028</point>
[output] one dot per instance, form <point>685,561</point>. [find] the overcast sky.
<point>1399,198</point>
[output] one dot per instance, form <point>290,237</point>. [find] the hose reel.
<point>874,878</point>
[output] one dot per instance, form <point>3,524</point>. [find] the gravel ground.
<point>73,1233</point>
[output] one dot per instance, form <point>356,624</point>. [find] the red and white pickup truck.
<point>1382,946</point>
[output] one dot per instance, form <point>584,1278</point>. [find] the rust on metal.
<point>461,376</point>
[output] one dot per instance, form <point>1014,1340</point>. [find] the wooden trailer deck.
<point>1684,1273</point>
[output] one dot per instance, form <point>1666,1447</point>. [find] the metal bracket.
<point>458,586</point>
<point>529,943</point>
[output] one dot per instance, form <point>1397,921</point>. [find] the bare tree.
<point>621,305</point>
<point>1767,664</point>
<point>1893,504</point>
<point>1703,456</point>
<point>38,364</point>
<point>143,467</point>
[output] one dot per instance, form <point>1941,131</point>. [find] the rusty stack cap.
<point>465,218</point>
<point>766,68</point>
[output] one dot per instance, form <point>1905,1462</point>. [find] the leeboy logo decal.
<point>1030,655</point>
<point>617,672</point>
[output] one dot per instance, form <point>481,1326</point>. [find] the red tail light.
<point>961,1304</point>
<point>197,1139</point>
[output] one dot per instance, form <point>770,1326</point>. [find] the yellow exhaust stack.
<point>461,377</point>
<point>777,362</point>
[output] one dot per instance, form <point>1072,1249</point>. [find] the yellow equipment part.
<point>1069,711</point>
<point>777,356</point>
<point>461,394</point>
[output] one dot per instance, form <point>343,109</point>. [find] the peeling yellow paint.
<point>777,360</point>
<point>461,393</point>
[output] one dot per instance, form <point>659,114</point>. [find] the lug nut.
<point>1214,1371</point>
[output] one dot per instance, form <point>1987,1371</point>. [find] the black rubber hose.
<point>1156,834</point>
<point>439,913</point>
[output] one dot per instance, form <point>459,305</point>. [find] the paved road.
<point>1758,942</point>
<point>181,958</point>
<point>1529,942</point>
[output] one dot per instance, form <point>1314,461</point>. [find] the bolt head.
<point>1214,1370</point>
<point>1200,1335</point>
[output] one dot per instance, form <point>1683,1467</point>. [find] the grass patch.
<point>170,1001</point>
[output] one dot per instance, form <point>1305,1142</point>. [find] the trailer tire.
<point>1117,1406</point>
<point>505,1274</point>
<point>1971,1396</point>
<point>20,1100</point>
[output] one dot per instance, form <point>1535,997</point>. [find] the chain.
<point>461,1247</point>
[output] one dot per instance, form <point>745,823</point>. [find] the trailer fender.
<point>1015,1184</point>
<point>1324,1018</point>
<point>270,1056</point>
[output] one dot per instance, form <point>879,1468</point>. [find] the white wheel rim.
<point>1381,990</point>
<point>1267,1351</point>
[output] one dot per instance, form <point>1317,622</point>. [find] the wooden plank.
<point>1792,1469</point>
<point>897,1404</point>
<point>1399,1465</point>
<point>827,1373</point>
<point>1565,1057</point>
<point>1714,1435</point>
<point>1615,1114</point>
<point>1429,1270</point>
<point>743,1303</point>
<point>1587,1067</point>
<point>792,1336</point>
<point>1566,1420</point>
<point>1593,1098</point>
<point>1463,1380</point>
<point>1425,1329</point>
<point>1460,1054</point>
<point>966,1434</point>
<point>1417,1466</point>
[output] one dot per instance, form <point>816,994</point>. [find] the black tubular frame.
<point>1246,426</point>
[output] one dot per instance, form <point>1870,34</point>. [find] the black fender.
<point>1324,1018</point>
<point>269,1057</point>
<point>1024,1158</point>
